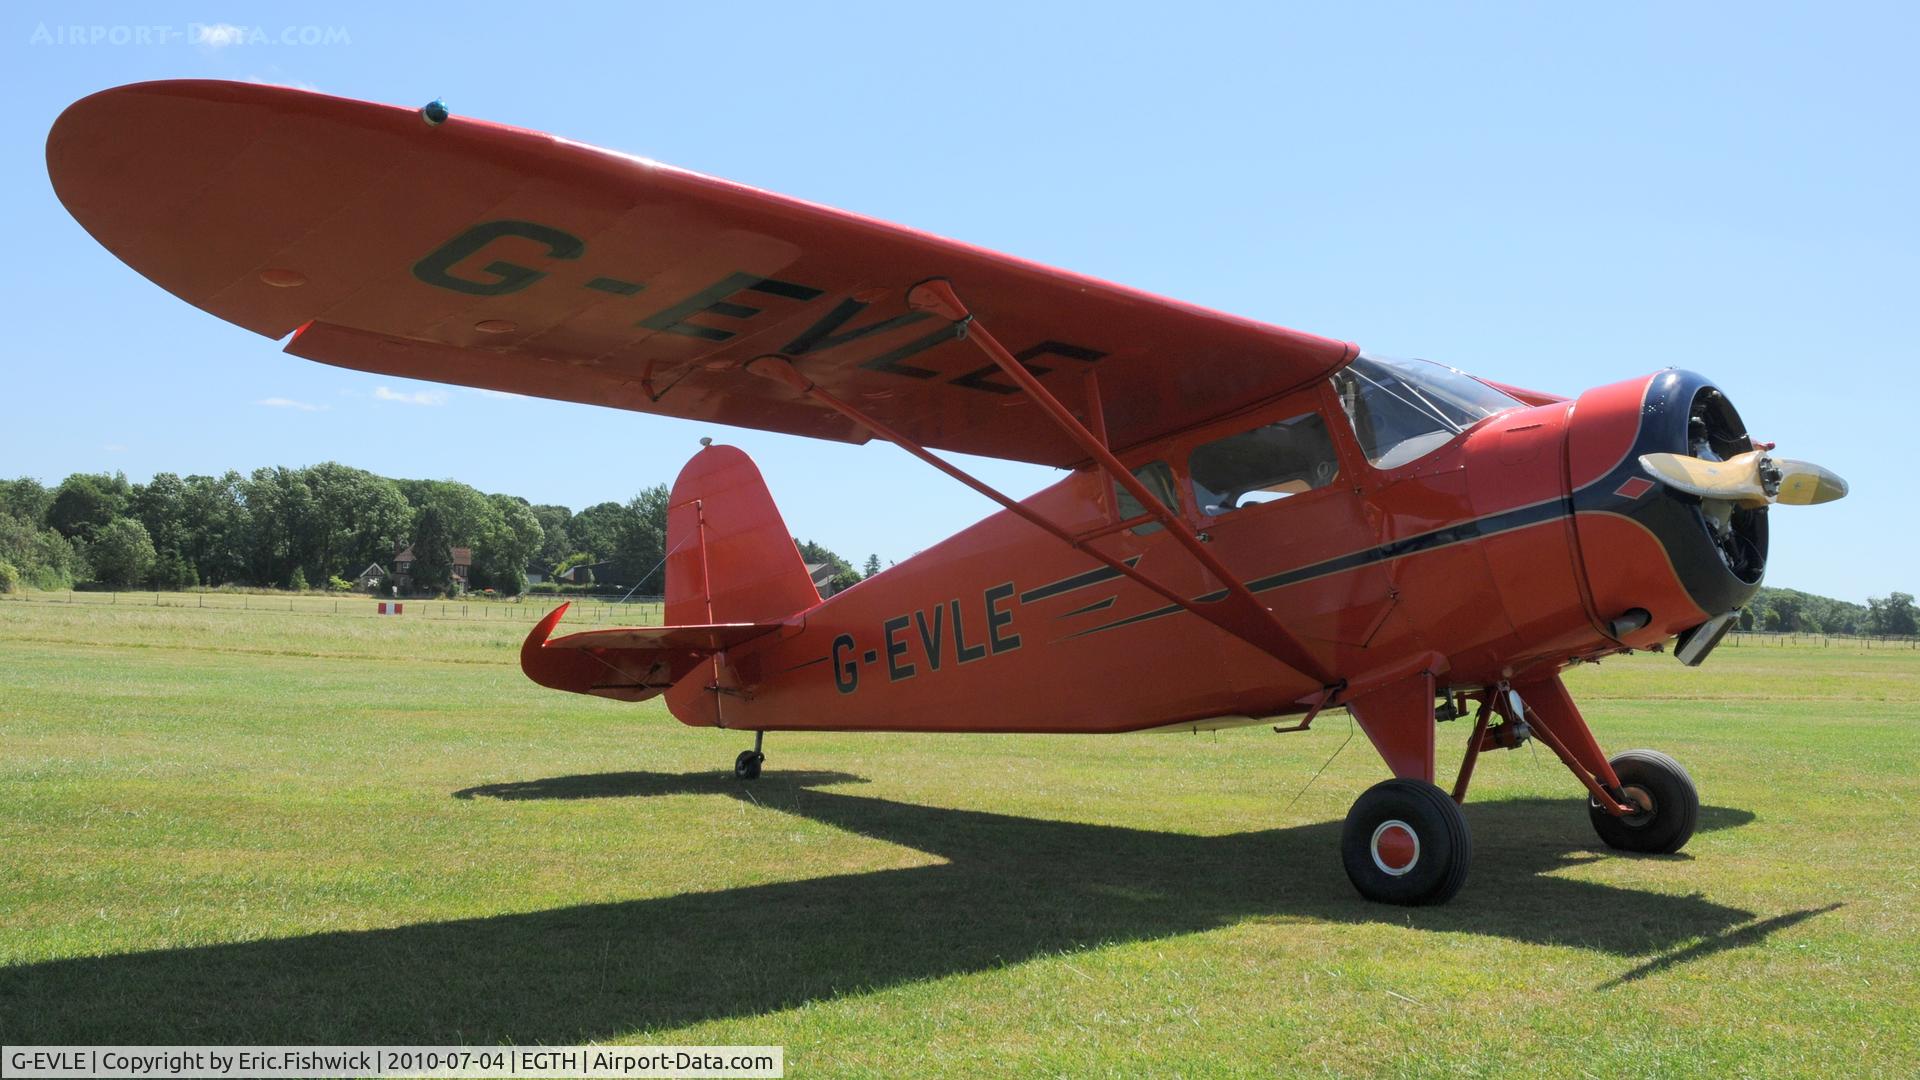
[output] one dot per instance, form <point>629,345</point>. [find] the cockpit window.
<point>1157,478</point>
<point>1405,409</point>
<point>1268,463</point>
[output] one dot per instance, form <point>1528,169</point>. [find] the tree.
<point>469,515</point>
<point>44,558</point>
<point>556,541</point>
<point>218,524</point>
<point>872,567</point>
<point>578,558</point>
<point>122,553</point>
<point>432,553</point>
<point>1893,616</point>
<point>26,499</point>
<point>161,507</point>
<point>86,502</point>
<point>598,529</point>
<point>281,524</point>
<point>641,547</point>
<point>174,572</point>
<point>501,555</point>
<point>359,518</point>
<point>844,575</point>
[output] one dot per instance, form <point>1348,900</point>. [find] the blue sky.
<point>1546,197</point>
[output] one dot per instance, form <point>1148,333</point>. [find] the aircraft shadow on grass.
<point>1010,889</point>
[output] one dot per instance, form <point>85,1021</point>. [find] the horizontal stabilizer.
<point>626,663</point>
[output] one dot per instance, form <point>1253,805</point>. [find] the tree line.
<point>1789,611</point>
<point>320,527</point>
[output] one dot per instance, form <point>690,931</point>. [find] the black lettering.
<point>821,337</point>
<point>896,649</point>
<point>714,299</point>
<point>615,286</point>
<point>962,651</point>
<point>846,674</point>
<point>931,641</point>
<point>436,268</point>
<point>890,361</point>
<point>997,618</point>
<point>978,379</point>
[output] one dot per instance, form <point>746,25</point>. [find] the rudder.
<point>730,558</point>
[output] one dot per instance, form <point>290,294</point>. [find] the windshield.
<point>1405,409</point>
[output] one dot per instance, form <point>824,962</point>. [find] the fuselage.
<point>1522,542</point>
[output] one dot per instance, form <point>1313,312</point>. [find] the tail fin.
<point>730,558</point>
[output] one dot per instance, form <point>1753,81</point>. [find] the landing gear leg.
<point>1639,800</point>
<point>747,765</point>
<point>1669,807</point>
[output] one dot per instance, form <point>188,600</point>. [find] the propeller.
<point>1750,480</point>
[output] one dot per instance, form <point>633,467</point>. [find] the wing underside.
<point>489,256</point>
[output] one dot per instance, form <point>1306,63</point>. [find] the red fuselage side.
<point>1506,553</point>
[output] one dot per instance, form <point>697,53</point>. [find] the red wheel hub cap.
<point>1395,847</point>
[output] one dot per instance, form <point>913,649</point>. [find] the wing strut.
<point>1234,609</point>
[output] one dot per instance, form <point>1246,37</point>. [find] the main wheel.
<point>1406,842</point>
<point>1670,807</point>
<point>747,765</point>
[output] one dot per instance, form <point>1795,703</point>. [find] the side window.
<point>1157,477</point>
<point>1268,463</point>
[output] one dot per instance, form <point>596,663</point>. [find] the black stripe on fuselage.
<point>1077,581</point>
<point>1503,521</point>
<point>1097,605</point>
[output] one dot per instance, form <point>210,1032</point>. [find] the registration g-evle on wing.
<point>1255,522</point>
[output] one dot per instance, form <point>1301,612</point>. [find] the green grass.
<point>226,826</point>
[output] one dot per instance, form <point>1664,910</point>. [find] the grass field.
<point>270,827</point>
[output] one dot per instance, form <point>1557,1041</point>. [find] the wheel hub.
<point>1639,797</point>
<point>1395,847</point>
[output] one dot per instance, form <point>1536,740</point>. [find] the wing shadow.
<point>1012,888</point>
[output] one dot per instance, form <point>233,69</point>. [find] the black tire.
<point>1674,805</point>
<point>1382,867</point>
<point>747,765</point>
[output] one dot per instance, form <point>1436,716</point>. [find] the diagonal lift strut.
<point>1234,609</point>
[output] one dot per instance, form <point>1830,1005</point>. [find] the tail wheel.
<point>1406,842</point>
<point>747,765</point>
<point>1670,806</point>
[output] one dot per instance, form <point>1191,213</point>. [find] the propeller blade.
<point>1736,479</point>
<point>1751,479</point>
<point>1803,483</point>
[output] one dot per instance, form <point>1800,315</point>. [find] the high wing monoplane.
<point>1255,522</point>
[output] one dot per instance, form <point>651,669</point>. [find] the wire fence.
<point>638,610</point>
<point>1763,640</point>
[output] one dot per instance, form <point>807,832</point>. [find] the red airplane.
<point>1255,523</point>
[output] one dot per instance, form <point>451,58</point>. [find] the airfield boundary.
<point>639,611</point>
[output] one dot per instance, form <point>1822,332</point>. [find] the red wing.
<point>489,256</point>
